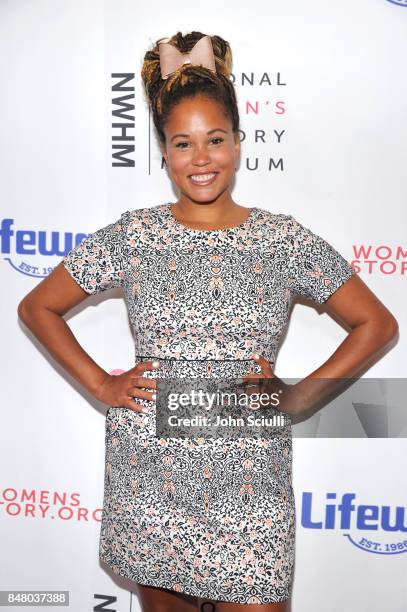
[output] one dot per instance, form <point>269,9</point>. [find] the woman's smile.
<point>202,180</point>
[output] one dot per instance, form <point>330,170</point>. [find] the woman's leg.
<point>207,605</point>
<point>154,599</point>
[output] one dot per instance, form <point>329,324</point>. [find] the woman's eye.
<point>180,145</point>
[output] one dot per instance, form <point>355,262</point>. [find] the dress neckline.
<point>185,228</point>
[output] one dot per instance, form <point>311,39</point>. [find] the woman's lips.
<point>203,179</point>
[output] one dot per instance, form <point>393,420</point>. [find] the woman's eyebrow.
<point>210,132</point>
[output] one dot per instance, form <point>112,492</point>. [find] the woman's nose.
<point>201,156</point>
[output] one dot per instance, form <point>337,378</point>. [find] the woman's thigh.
<point>154,599</point>
<point>206,605</point>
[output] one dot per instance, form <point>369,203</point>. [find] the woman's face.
<point>200,149</point>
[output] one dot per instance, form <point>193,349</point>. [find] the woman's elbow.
<point>23,309</point>
<point>388,328</point>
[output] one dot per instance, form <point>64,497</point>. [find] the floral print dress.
<point>210,517</point>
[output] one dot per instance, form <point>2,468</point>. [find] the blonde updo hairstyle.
<point>189,80</point>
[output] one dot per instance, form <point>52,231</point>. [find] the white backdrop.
<point>329,84</point>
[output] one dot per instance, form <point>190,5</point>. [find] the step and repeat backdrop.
<point>323,98</point>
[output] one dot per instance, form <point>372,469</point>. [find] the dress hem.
<point>157,583</point>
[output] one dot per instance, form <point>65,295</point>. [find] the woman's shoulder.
<point>269,215</point>
<point>145,217</point>
<point>144,212</point>
<point>282,229</point>
<point>272,220</point>
<point>286,221</point>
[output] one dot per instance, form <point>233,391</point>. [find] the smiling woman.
<point>202,160</point>
<point>208,284</point>
<point>196,116</point>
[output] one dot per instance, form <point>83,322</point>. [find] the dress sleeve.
<point>315,269</point>
<point>97,263</point>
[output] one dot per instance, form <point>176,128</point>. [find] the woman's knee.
<point>207,605</point>
<point>155,599</point>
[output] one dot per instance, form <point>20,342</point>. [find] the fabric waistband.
<point>192,368</point>
<point>155,358</point>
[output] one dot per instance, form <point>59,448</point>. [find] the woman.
<point>201,523</point>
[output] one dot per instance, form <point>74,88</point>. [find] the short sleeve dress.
<point>210,517</point>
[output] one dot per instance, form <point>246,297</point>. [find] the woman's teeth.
<point>203,179</point>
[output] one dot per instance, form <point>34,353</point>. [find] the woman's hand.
<point>267,382</point>
<point>120,390</point>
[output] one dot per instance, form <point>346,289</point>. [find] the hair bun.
<point>189,79</point>
<point>223,55</point>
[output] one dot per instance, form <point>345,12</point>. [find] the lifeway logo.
<point>380,259</point>
<point>20,246</point>
<point>374,529</point>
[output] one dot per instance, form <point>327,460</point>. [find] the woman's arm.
<point>372,330</point>
<point>372,327</point>
<point>42,312</point>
